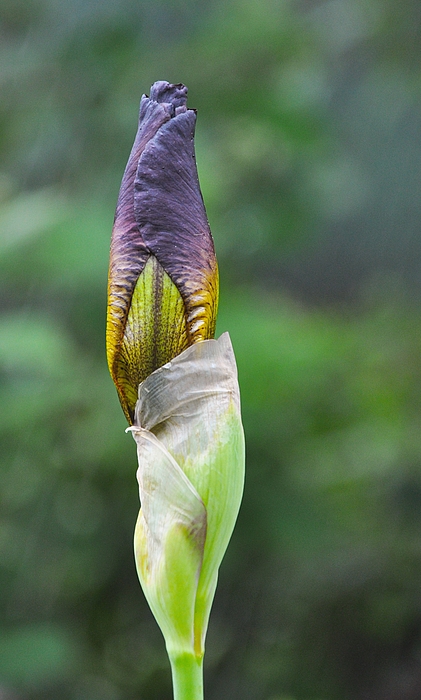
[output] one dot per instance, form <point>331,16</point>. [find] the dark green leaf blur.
<point>309,155</point>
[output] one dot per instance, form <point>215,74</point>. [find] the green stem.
<point>187,676</point>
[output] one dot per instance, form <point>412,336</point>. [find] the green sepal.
<point>154,332</point>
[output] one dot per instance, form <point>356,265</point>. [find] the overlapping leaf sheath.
<point>163,276</point>
<point>191,471</point>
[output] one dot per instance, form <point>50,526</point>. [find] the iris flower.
<point>177,386</point>
<point>163,275</point>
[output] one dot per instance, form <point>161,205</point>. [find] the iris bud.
<point>163,275</point>
<point>177,386</point>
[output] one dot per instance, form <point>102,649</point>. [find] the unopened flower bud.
<point>163,275</point>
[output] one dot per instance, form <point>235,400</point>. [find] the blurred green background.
<point>309,152</point>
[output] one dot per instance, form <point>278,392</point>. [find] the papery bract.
<point>191,473</point>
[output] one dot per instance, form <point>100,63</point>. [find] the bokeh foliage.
<point>308,154</point>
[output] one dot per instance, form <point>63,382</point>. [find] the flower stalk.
<point>187,676</point>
